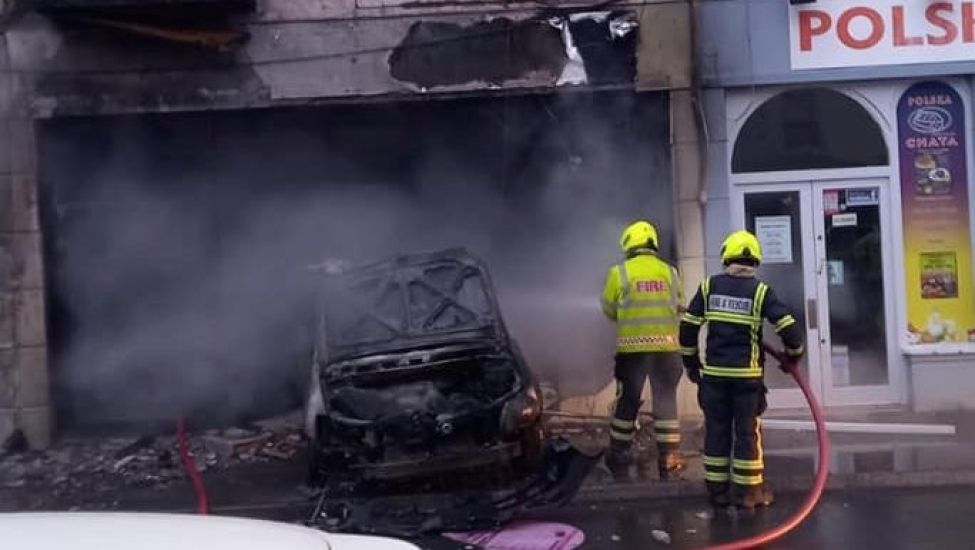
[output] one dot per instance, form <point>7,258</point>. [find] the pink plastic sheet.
<point>524,535</point>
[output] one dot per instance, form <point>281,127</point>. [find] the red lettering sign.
<point>651,286</point>
<point>841,33</point>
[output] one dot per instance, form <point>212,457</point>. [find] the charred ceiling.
<point>578,48</point>
<point>436,53</point>
<point>123,61</point>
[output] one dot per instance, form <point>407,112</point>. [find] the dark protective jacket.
<point>733,304</point>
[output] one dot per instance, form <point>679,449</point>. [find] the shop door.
<point>827,255</point>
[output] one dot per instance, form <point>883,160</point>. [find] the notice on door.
<point>845,220</point>
<point>775,235</point>
<point>834,272</point>
<point>937,235</point>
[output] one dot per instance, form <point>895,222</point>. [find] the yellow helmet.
<point>741,245</point>
<point>641,234</point>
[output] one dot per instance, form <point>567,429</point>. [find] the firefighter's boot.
<point>719,494</point>
<point>670,464</point>
<point>619,460</point>
<point>749,497</point>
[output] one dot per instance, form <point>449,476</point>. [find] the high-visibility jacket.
<point>643,295</point>
<point>734,305</point>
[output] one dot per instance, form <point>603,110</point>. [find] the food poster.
<point>935,206</point>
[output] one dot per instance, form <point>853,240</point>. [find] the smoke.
<point>179,245</point>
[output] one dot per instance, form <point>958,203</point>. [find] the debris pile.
<point>142,460</point>
<point>237,445</point>
<point>96,467</point>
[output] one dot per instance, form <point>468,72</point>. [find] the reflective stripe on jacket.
<point>734,306</point>
<point>643,295</point>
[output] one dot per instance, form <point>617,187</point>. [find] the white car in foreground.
<point>132,531</point>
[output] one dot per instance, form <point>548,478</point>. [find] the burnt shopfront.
<point>846,148</point>
<point>192,173</point>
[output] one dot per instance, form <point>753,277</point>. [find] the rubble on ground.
<point>95,467</point>
<point>590,434</point>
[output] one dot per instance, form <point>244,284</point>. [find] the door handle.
<point>812,315</point>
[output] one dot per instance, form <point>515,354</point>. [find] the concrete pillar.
<point>687,163</point>
<point>25,402</point>
<point>717,212</point>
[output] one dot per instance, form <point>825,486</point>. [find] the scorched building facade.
<point>173,171</point>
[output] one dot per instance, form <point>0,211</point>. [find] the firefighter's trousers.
<point>632,370</point>
<point>733,431</point>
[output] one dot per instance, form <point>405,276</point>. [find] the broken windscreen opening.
<point>408,302</point>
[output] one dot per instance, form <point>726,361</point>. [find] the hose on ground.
<point>189,467</point>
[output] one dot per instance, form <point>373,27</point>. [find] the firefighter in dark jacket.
<point>731,388</point>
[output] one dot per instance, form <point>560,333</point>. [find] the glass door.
<point>854,287</point>
<point>780,216</point>
<point>827,257</point>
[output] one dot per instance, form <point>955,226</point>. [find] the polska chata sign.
<point>844,33</point>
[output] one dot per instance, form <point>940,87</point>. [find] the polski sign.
<point>841,33</point>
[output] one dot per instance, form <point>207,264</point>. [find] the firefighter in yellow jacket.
<point>643,296</point>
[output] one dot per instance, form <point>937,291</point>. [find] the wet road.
<point>868,519</point>
<point>942,518</point>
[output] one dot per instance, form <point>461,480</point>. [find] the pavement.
<point>856,461</point>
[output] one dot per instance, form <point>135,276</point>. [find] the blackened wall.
<point>178,245</point>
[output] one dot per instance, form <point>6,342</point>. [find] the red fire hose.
<point>822,471</point>
<point>189,467</point>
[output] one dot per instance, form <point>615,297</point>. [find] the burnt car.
<point>416,377</point>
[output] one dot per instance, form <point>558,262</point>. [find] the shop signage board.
<point>839,33</point>
<point>935,205</point>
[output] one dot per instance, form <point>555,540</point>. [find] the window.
<point>808,129</point>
